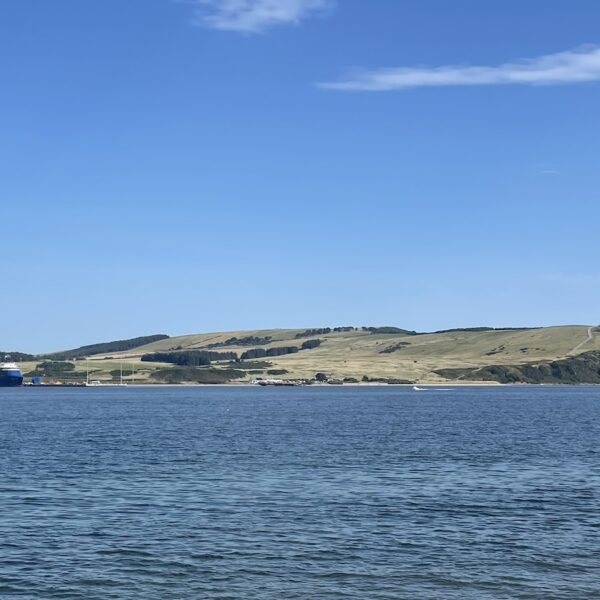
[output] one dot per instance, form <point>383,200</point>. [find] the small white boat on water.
<point>432,389</point>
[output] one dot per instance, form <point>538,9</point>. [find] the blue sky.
<point>192,166</point>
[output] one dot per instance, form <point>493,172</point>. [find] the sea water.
<point>300,493</point>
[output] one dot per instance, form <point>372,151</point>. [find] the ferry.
<point>10,374</point>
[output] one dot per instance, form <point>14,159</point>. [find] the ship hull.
<point>11,378</point>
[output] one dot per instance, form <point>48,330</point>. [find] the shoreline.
<point>429,386</point>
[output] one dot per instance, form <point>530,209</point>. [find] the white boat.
<point>10,374</point>
<point>104,384</point>
<point>93,383</point>
<point>432,389</point>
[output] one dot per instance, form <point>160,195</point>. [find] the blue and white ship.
<point>10,374</point>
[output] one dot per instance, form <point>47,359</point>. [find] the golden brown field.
<point>358,353</point>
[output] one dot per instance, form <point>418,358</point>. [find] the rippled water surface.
<point>300,493</point>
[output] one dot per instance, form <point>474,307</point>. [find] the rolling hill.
<point>565,354</point>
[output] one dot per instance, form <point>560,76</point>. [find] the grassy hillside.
<point>353,354</point>
<point>574,369</point>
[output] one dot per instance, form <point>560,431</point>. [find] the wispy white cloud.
<point>254,16</point>
<point>573,66</point>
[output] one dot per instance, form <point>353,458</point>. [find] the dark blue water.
<point>300,493</point>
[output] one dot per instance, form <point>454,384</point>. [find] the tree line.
<point>189,358</point>
<point>323,331</point>
<point>203,358</point>
<point>16,357</point>
<point>250,340</point>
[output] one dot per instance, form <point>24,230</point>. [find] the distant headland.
<point>334,355</point>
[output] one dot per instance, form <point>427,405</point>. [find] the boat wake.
<point>435,389</point>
